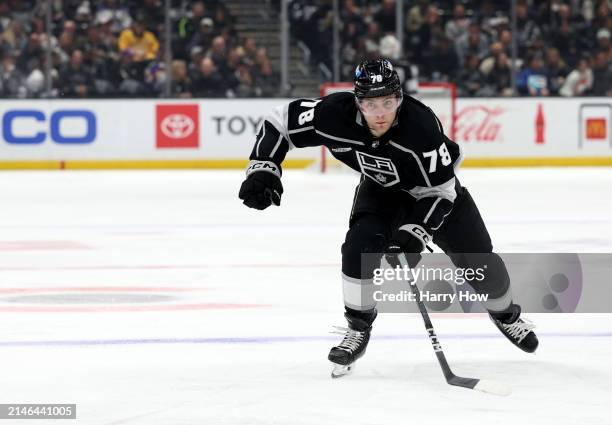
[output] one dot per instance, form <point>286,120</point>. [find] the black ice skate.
<point>518,331</point>
<point>354,343</point>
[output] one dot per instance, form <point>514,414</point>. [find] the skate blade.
<point>341,370</point>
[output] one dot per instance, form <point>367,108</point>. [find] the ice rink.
<point>156,298</point>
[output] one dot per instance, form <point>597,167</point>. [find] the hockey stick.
<point>483,385</point>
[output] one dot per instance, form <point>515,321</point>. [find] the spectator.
<point>35,81</point>
<point>105,73</point>
<point>473,43</point>
<point>181,83</point>
<point>193,67</point>
<point>486,66</point>
<point>353,20</point>
<point>457,27</point>
<point>532,80</point>
<point>111,12</point>
<point>391,49</point>
<point>31,55</point>
<point>218,54</point>
<point>14,39</point>
<point>223,22</point>
<point>386,16</point>
<point>266,79</point>
<point>246,84</point>
<point>443,61</point>
<point>204,37</point>
<point>209,83</point>
<point>75,79</point>
<point>490,19</point>
<point>420,40</point>
<point>151,13</point>
<point>11,80</point>
<point>603,40</point>
<point>505,38</point>
<point>188,26</point>
<point>527,29</point>
<point>556,70</point>
<point>602,75</point>
<point>579,81</point>
<point>416,16</point>
<point>499,79</point>
<point>131,75</point>
<point>138,43</point>
<point>469,77</point>
<point>565,41</point>
<point>250,49</point>
<point>372,39</point>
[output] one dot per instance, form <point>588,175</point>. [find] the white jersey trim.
<point>444,190</point>
<point>416,157</point>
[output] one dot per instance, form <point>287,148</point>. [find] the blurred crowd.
<point>116,48</point>
<point>563,47</point>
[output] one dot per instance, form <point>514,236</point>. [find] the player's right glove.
<point>262,186</point>
<point>409,239</point>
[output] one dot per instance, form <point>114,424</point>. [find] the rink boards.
<point>90,134</point>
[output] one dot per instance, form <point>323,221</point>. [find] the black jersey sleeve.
<point>437,158</point>
<point>286,127</point>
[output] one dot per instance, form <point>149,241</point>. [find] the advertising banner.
<point>220,133</point>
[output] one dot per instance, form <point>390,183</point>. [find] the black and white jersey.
<point>414,156</point>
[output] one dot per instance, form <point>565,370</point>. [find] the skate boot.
<point>518,331</point>
<point>354,343</point>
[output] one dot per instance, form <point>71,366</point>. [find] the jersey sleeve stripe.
<point>441,221</point>
<point>278,143</point>
<point>263,135</point>
<point>431,210</point>
<point>299,130</point>
<point>279,119</point>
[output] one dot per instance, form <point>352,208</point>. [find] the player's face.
<point>379,112</point>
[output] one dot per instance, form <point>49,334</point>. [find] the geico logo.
<point>177,126</point>
<point>27,126</point>
<point>236,124</point>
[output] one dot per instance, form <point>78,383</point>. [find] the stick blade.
<point>492,387</point>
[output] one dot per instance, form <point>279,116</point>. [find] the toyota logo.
<point>177,126</point>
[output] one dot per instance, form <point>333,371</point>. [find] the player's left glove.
<point>408,239</point>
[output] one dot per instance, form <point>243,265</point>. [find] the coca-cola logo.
<point>177,126</point>
<point>478,124</point>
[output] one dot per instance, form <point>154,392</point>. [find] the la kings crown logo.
<point>381,170</point>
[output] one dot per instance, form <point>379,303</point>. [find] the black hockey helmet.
<point>375,78</point>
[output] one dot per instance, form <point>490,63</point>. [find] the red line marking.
<point>40,245</point>
<point>175,267</point>
<point>43,289</point>
<point>131,308</point>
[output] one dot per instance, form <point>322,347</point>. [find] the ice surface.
<point>157,298</point>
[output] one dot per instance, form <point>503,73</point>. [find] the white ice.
<point>155,297</point>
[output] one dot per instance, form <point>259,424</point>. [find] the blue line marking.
<point>267,339</point>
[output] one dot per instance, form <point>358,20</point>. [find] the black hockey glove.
<point>262,186</point>
<point>409,239</point>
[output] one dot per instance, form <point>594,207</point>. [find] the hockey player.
<point>408,195</point>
